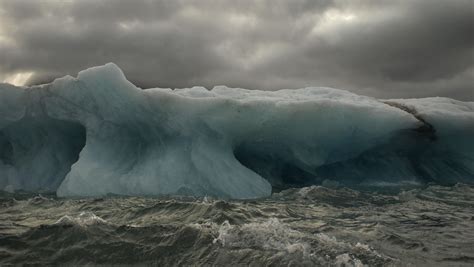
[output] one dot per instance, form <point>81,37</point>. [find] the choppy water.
<point>308,226</point>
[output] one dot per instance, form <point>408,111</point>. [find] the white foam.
<point>83,219</point>
<point>269,235</point>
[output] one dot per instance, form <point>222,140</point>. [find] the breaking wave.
<point>83,219</point>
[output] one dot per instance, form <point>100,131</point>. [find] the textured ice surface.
<point>98,134</point>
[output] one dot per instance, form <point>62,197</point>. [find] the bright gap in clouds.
<point>18,79</point>
<point>331,21</point>
<point>339,16</point>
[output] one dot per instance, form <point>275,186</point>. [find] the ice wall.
<point>98,134</point>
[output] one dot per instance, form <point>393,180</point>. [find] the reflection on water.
<point>308,226</point>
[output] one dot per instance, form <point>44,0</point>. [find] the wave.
<point>311,226</point>
<point>83,219</point>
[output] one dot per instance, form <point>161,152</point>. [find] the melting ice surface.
<point>98,134</point>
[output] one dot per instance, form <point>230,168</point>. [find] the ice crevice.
<point>99,134</point>
<point>427,127</point>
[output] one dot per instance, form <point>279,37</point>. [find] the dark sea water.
<point>430,226</point>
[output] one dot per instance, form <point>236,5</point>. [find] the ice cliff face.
<point>98,134</point>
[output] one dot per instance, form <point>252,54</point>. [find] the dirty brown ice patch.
<point>430,226</point>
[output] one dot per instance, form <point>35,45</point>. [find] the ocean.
<point>311,226</point>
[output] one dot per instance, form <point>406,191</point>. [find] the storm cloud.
<point>385,49</point>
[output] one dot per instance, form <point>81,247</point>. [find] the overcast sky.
<point>385,49</point>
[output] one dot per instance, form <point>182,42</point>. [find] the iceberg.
<point>99,134</point>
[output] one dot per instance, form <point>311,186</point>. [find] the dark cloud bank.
<point>385,49</point>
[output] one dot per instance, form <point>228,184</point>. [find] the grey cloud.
<point>384,49</point>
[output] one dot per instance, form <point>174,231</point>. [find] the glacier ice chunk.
<point>99,134</point>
